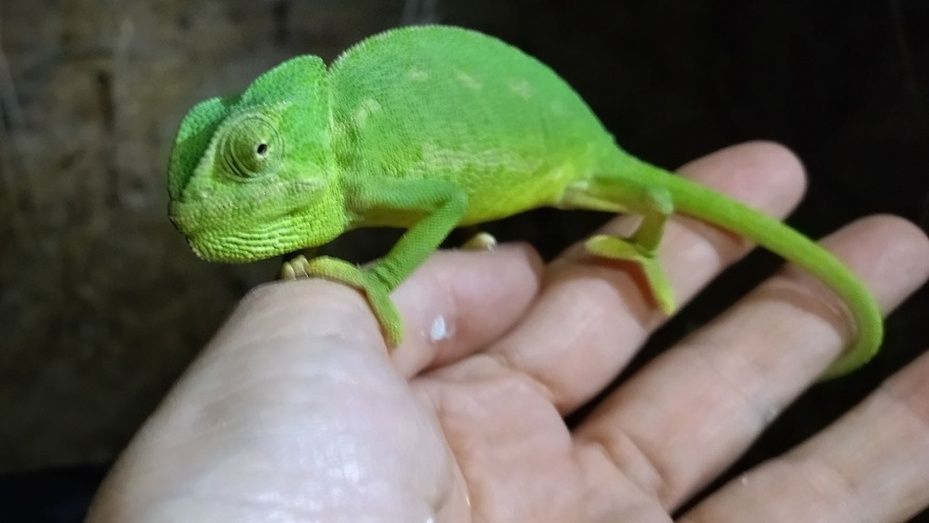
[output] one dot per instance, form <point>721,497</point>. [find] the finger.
<point>591,319</point>
<point>264,407</point>
<point>459,301</point>
<point>694,410</point>
<point>869,466</point>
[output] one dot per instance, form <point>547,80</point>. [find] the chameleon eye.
<point>252,147</point>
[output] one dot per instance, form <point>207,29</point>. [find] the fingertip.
<point>890,253</point>
<point>904,235</point>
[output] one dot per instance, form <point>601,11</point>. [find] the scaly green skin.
<point>427,128</point>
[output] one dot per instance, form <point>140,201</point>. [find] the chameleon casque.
<point>428,128</point>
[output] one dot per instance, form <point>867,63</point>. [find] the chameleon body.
<point>427,128</point>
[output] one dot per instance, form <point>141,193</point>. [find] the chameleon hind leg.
<point>654,204</point>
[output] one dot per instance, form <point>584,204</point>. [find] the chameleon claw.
<point>481,241</point>
<point>295,269</point>
<point>287,272</point>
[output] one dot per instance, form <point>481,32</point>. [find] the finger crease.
<point>653,481</point>
<point>762,416</point>
<point>505,361</point>
<point>833,487</point>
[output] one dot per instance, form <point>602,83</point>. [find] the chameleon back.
<point>448,103</point>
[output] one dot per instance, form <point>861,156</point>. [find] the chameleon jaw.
<point>245,233</point>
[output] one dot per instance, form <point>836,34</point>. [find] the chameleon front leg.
<point>655,205</point>
<point>435,207</point>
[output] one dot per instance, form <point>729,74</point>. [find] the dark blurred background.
<point>103,304</point>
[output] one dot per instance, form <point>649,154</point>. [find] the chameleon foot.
<point>481,241</point>
<point>614,248</point>
<point>365,280</point>
<point>295,269</point>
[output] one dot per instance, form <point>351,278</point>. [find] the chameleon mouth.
<point>228,233</point>
<point>256,222</point>
<point>239,245</point>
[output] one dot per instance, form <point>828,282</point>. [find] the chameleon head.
<point>253,176</point>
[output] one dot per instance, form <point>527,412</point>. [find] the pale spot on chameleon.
<point>440,330</point>
<point>416,74</point>
<point>435,157</point>
<point>366,108</point>
<point>520,87</point>
<point>467,80</point>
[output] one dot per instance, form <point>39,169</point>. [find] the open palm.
<point>295,412</point>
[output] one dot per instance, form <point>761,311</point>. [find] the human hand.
<point>295,412</point>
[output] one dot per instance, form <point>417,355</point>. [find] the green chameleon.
<point>428,128</point>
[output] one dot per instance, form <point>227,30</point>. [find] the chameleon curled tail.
<point>700,202</point>
<point>630,185</point>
